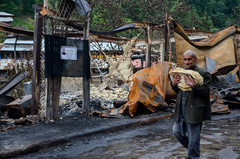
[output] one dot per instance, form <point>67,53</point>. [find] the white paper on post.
<point>68,53</point>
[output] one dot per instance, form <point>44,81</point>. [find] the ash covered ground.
<point>70,104</point>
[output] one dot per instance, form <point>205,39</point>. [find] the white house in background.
<point>6,17</point>
<point>23,47</point>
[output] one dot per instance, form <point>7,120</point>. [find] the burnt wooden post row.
<point>53,83</point>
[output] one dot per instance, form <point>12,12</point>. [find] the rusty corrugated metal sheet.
<point>149,90</point>
<point>209,42</point>
<point>220,47</point>
<point>223,53</point>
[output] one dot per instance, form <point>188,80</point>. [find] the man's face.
<point>189,61</point>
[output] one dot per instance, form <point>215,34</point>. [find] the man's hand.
<point>189,80</point>
<point>176,79</point>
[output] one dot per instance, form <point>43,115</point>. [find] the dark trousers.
<point>189,136</point>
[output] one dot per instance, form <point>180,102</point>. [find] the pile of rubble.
<point>71,103</point>
<point>100,100</point>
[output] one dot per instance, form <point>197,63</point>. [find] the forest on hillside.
<point>210,15</point>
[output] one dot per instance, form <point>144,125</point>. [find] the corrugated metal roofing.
<point>12,41</point>
<point>18,48</point>
<point>22,45</point>
<point>209,42</point>
<point>6,19</point>
<point>6,14</point>
<point>219,48</point>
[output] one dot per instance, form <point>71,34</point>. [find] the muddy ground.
<point>220,140</point>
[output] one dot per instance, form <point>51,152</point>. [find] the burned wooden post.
<point>166,38</point>
<point>49,79</point>
<point>15,54</point>
<point>86,80</point>
<point>148,46</point>
<point>15,63</point>
<point>36,62</point>
<point>56,96</point>
<point>53,86</point>
<point>53,83</point>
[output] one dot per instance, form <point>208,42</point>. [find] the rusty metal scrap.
<point>211,41</point>
<point>219,48</point>
<point>216,53</point>
<point>47,11</point>
<point>21,107</point>
<point>5,99</point>
<point>218,108</point>
<point>148,90</point>
<point>13,82</point>
<point>151,89</point>
<point>224,93</point>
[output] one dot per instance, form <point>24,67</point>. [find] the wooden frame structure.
<point>58,24</point>
<point>53,26</point>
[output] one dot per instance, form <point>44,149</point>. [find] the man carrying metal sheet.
<point>192,107</point>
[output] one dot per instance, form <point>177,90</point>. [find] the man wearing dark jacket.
<point>192,107</point>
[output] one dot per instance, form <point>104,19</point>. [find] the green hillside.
<point>22,11</point>
<point>210,15</point>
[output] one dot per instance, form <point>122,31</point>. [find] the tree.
<point>108,14</point>
<point>221,12</point>
<point>12,6</point>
